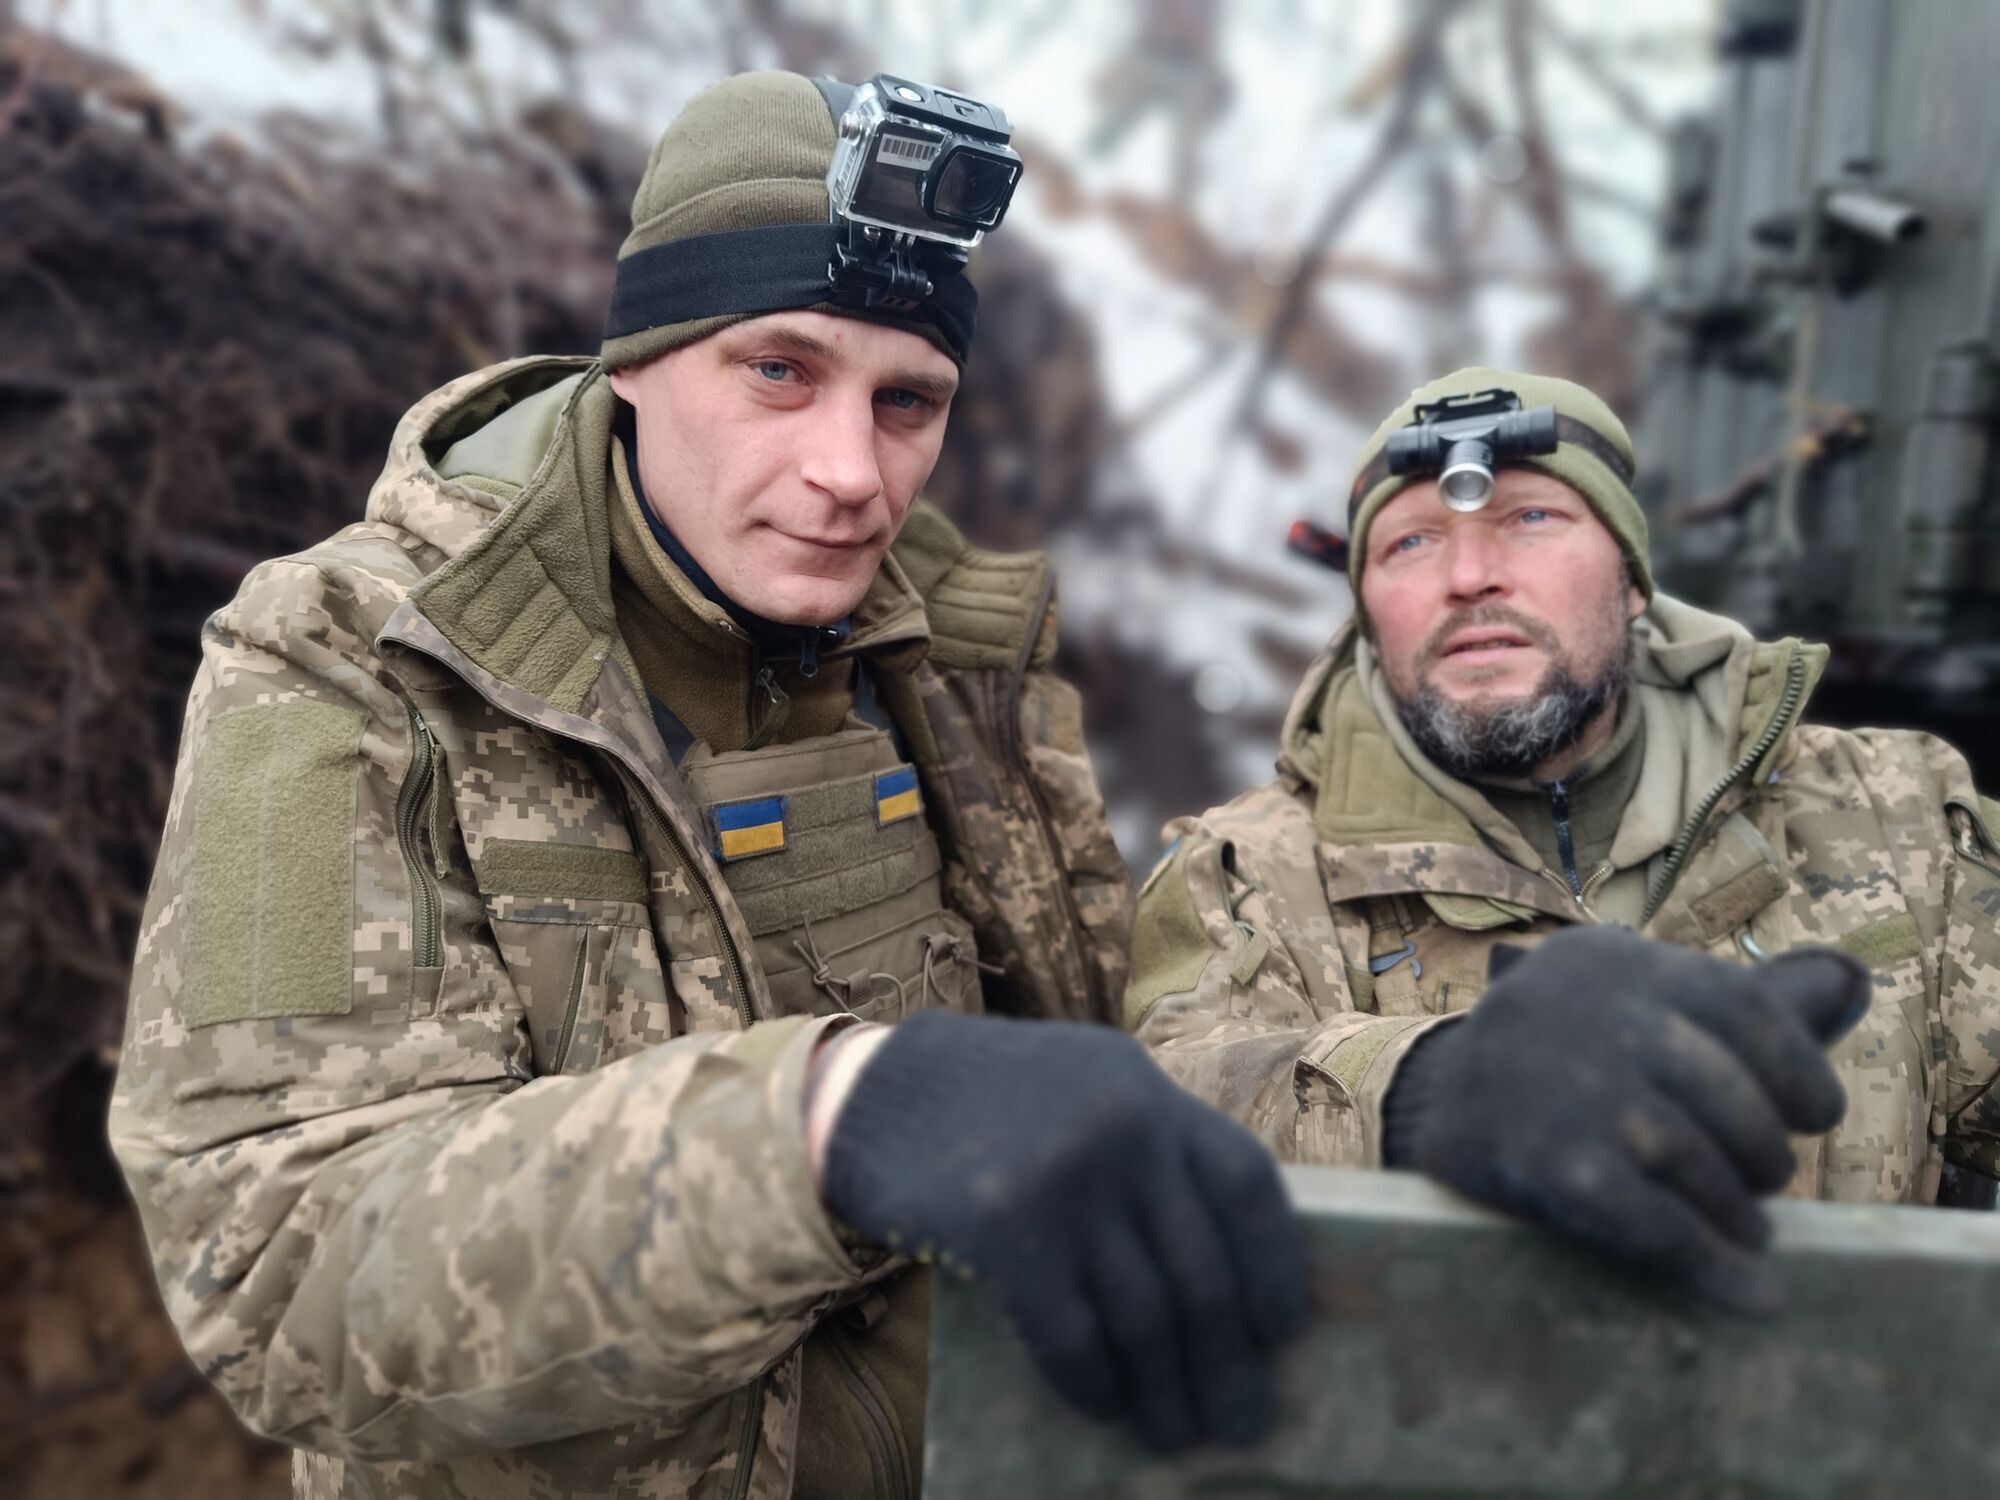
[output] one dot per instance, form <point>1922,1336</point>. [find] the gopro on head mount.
<point>1462,438</point>
<point>918,176</point>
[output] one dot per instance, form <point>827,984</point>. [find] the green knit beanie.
<point>750,151</point>
<point>1588,462</point>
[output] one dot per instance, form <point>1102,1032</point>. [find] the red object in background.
<point>1322,546</point>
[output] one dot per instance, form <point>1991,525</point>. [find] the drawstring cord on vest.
<point>841,991</point>
<point>942,945</point>
<point>824,979</point>
<point>939,945</point>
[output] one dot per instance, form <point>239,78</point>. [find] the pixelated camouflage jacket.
<point>1296,942</point>
<point>459,1155</point>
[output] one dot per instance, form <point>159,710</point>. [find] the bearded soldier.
<point>505,1092</point>
<point>1517,744</point>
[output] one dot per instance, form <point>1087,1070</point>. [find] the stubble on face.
<point>1488,735</point>
<point>784,453</point>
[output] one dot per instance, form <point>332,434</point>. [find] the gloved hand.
<point>1141,1241</point>
<point>1636,1096</point>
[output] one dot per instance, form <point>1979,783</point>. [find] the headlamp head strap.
<point>1568,430</point>
<point>773,268</point>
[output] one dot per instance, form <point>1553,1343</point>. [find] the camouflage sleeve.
<point>1969,988</point>
<point>1100,887</point>
<point>1240,991</point>
<point>377,1231</point>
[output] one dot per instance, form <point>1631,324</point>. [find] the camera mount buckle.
<point>880,270</point>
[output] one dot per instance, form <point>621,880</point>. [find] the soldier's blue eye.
<point>773,369</point>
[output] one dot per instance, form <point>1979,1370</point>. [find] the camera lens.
<point>973,189</point>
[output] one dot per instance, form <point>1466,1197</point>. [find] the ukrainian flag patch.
<point>896,796</point>
<point>746,828</point>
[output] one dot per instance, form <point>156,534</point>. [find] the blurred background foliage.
<point>239,237</point>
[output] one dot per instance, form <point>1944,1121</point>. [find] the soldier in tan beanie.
<point>556,1045</point>
<point>1557,896</point>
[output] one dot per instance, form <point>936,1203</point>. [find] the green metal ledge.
<point>1453,1353</point>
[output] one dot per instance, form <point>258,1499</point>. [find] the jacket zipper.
<point>777,708</point>
<point>1670,868</point>
<point>1581,898</point>
<point>747,1445</point>
<point>427,943</point>
<point>879,1425</point>
<point>1558,791</point>
<point>1602,874</point>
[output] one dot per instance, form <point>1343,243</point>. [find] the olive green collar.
<point>508,473</point>
<point>1385,825</point>
<point>529,598</point>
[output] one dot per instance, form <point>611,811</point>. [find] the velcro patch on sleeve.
<point>271,891</point>
<point>1170,943</point>
<point>746,828</point>
<point>896,796</point>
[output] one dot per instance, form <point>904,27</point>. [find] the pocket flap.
<point>578,872</point>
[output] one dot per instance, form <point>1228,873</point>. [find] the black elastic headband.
<point>1568,430</point>
<point>767,269</point>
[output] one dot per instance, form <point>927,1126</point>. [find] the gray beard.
<point>1469,741</point>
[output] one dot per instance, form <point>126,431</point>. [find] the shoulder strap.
<point>985,608</point>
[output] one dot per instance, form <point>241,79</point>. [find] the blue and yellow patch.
<point>746,828</point>
<point>896,796</point>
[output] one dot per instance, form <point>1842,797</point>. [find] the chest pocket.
<point>568,920</point>
<point>555,881</point>
<point>825,847</point>
<point>1427,954</point>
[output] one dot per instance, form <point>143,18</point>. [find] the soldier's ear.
<point>1635,602</point>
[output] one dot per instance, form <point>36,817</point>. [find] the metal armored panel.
<point>1791,458</point>
<point>1450,1352</point>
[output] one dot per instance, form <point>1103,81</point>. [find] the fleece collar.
<point>1387,816</point>
<point>508,473</point>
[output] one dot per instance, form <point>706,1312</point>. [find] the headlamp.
<point>1461,439</point>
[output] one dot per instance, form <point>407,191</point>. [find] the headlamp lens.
<point>1466,486</point>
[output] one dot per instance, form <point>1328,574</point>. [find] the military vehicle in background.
<point>1815,454</point>
<point>1821,384</point>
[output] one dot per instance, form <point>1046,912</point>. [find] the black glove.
<point>1636,1096</point>
<point>1141,1241</point>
